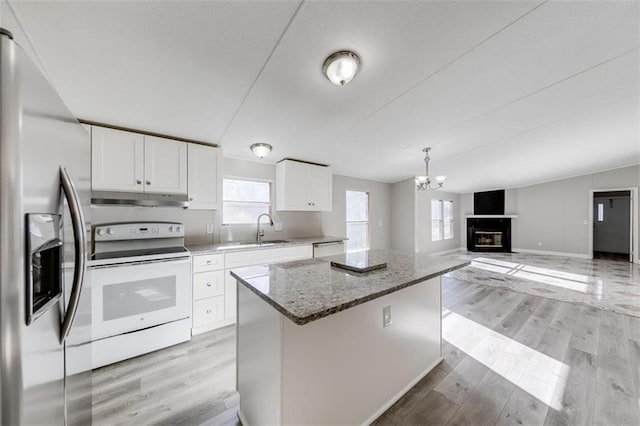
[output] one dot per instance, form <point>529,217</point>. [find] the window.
<point>357,221</point>
<point>441,220</point>
<point>244,200</point>
<point>600,212</point>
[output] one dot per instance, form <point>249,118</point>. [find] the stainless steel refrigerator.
<point>45,310</point>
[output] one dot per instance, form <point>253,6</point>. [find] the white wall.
<point>295,224</point>
<point>334,222</point>
<point>423,222</point>
<point>403,215</point>
<point>552,215</point>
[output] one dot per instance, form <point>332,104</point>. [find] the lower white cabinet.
<point>208,284</point>
<point>215,290</point>
<point>230,296</point>
<point>208,311</point>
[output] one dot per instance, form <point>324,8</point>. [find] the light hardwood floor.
<point>510,358</point>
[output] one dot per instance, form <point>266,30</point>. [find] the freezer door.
<point>37,137</point>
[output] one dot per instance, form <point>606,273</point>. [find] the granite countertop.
<point>224,247</point>
<point>307,290</point>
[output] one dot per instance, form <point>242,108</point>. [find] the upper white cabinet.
<point>165,166</point>
<point>117,160</point>
<point>126,161</point>
<point>205,182</point>
<point>303,187</point>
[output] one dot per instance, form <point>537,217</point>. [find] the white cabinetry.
<point>165,166</point>
<point>130,162</point>
<point>117,160</point>
<point>205,181</point>
<point>215,290</point>
<point>302,186</point>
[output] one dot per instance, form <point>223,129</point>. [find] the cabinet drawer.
<point>208,262</point>
<point>207,311</point>
<point>208,284</point>
<point>267,256</point>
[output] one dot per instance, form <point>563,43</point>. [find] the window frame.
<point>367,222</point>
<point>442,220</point>
<point>246,203</point>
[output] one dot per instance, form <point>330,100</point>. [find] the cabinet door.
<point>320,191</point>
<point>165,166</point>
<point>205,188</point>
<point>230,295</point>
<point>292,186</point>
<point>117,160</point>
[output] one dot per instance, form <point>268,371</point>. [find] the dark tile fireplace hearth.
<point>489,234</point>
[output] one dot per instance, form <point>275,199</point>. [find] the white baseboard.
<point>243,420</point>
<point>552,253</point>
<point>453,250</point>
<point>400,394</point>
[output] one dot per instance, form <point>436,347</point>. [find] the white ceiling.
<point>507,93</point>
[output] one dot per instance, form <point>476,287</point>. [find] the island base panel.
<point>344,368</point>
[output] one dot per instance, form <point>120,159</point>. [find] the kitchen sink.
<point>250,244</point>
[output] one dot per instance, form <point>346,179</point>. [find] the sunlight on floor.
<point>552,277</point>
<point>539,375</point>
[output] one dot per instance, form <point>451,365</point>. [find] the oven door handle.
<point>79,237</point>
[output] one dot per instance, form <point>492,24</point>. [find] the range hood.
<point>139,199</point>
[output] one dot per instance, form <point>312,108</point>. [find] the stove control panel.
<point>137,231</point>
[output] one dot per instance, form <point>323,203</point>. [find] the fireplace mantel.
<point>492,216</point>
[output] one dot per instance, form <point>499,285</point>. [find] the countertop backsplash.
<point>294,224</point>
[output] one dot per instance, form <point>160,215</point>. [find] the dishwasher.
<point>328,249</point>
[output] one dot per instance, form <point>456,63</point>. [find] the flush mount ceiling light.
<point>424,182</point>
<point>261,150</point>
<point>340,67</point>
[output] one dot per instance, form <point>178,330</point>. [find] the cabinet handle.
<point>148,182</point>
<point>208,262</point>
<point>208,284</point>
<point>208,311</point>
<point>139,182</point>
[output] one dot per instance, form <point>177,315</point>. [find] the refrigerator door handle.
<point>79,236</point>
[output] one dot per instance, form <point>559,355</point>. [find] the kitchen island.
<point>322,345</point>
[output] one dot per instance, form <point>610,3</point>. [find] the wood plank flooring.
<point>192,383</point>
<point>509,359</point>
<point>573,364</point>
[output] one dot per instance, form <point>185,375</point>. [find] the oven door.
<point>134,296</point>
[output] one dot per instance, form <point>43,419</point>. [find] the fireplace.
<point>489,234</point>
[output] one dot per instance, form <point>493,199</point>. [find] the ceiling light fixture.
<point>424,182</point>
<point>340,67</point>
<point>261,150</point>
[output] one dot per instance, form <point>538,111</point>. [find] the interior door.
<point>612,223</point>
<point>165,166</point>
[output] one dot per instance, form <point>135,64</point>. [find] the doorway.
<point>612,225</point>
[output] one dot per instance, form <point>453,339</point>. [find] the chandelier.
<point>425,182</point>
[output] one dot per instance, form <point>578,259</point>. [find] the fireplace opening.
<point>489,234</point>
<point>488,239</point>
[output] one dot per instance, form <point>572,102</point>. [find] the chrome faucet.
<point>260,232</point>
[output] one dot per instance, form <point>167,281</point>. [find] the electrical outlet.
<point>209,228</point>
<point>277,226</point>
<point>539,243</point>
<point>379,223</point>
<point>386,317</point>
